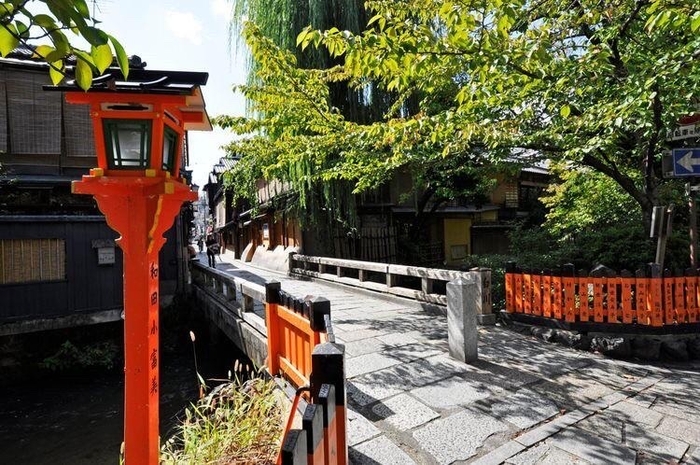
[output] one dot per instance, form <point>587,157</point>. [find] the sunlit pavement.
<point>523,402</point>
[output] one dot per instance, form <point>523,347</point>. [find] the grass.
<point>236,424</point>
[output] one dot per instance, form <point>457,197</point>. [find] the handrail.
<point>301,348</point>
<point>413,282</point>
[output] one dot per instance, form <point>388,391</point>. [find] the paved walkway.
<point>524,402</point>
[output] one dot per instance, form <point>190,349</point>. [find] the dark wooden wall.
<point>87,287</point>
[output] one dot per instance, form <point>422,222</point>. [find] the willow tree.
<point>586,83</point>
<point>282,20</point>
<point>299,137</point>
<point>319,197</point>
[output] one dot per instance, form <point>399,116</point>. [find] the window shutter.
<point>34,115</point>
<point>79,137</point>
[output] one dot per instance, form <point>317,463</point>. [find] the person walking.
<point>200,244</point>
<point>212,250</point>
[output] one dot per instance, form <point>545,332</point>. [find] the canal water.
<point>76,417</point>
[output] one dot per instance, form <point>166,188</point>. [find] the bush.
<point>68,357</point>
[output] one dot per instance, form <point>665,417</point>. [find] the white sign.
<point>688,131</point>
<point>105,256</point>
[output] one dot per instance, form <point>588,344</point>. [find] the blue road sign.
<point>686,162</point>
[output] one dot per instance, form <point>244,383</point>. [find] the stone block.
<point>545,454</point>
<point>368,363</point>
<point>451,392</point>
<point>646,348</point>
<point>403,412</point>
<point>457,437</point>
<point>612,346</point>
<point>524,409</point>
<point>365,393</point>
<point>500,455</point>
<point>693,346</point>
<point>675,350</point>
<point>380,450</point>
<point>682,430</point>
<point>634,413</point>
<point>593,448</point>
<point>360,429</point>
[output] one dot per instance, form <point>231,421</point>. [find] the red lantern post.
<point>139,127</point>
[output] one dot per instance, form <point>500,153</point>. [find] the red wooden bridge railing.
<point>645,298</point>
<point>302,349</point>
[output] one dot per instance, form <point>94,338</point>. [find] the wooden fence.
<point>648,297</point>
<point>301,349</point>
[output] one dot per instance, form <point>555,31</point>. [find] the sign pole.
<point>693,220</point>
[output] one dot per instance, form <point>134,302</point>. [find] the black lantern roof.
<point>140,80</point>
<point>149,82</point>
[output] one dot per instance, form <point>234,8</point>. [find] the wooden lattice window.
<point>34,115</point>
<point>512,196</point>
<point>32,260</point>
<point>77,131</point>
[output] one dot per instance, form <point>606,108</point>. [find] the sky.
<point>179,35</point>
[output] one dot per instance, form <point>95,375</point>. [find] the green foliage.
<point>298,138</point>
<point>583,199</point>
<point>584,84</point>
<point>20,24</point>
<point>538,248</point>
<point>69,357</point>
<point>590,85</point>
<point>237,423</point>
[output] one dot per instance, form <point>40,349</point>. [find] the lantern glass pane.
<point>128,143</point>
<point>169,147</point>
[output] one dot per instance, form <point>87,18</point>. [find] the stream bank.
<point>75,417</point>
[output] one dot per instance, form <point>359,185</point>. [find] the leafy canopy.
<point>59,22</point>
<point>589,83</point>
<point>299,138</point>
<point>584,83</point>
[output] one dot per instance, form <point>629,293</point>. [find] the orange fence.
<point>646,298</point>
<point>301,348</point>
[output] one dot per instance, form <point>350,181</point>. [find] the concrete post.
<point>484,315</point>
<point>463,299</point>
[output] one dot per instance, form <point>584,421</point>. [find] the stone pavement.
<point>523,402</point>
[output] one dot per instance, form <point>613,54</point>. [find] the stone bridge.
<point>522,401</point>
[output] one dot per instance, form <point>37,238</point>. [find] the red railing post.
<point>612,303</point>
<point>537,294</point>
<point>626,284</point>
<point>328,369</point>
<point>518,286</point>
<point>272,296</point>
<point>679,298</point>
<point>569,282</point>
<point>557,305</point>
<point>293,450</point>
<point>597,281</point>
<point>583,312</point>
<point>312,423</point>
<point>510,287</point>
<point>691,281</point>
<point>641,283</point>
<point>527,284</point>
<point>655,310</point>
<point>668,297</point>
<point>547,293</point>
